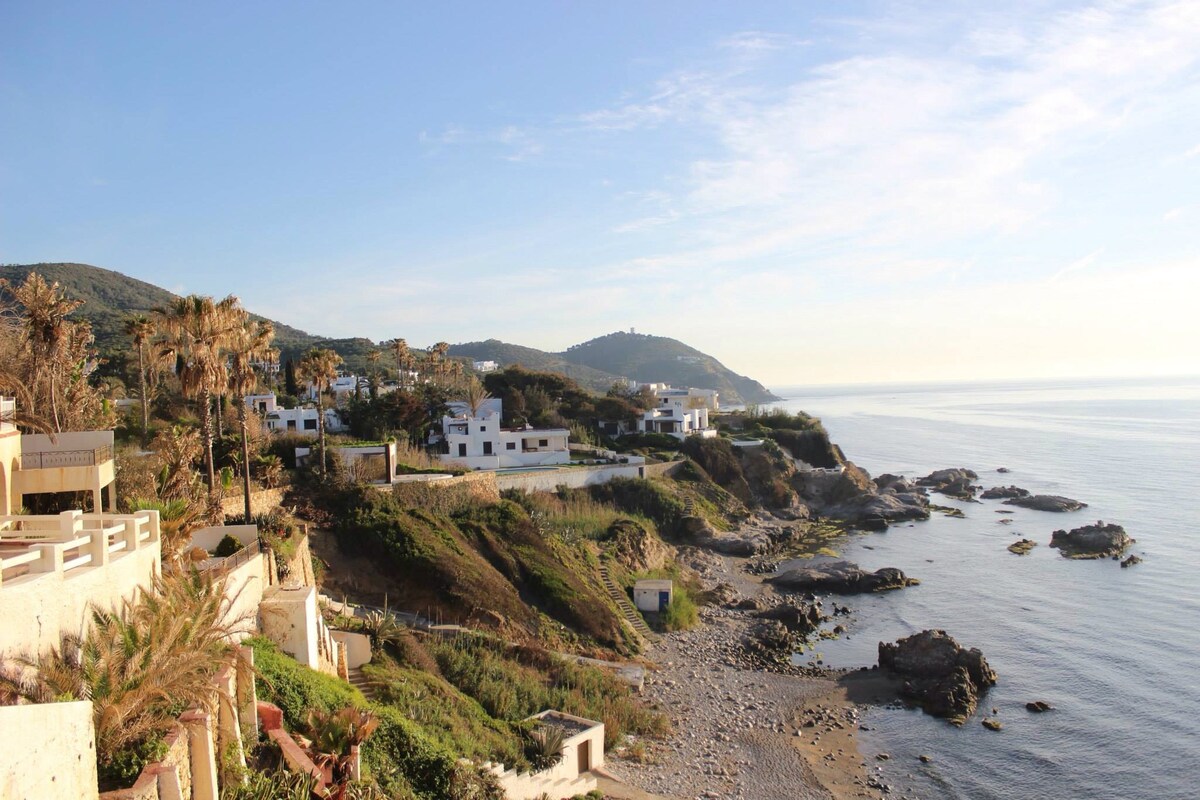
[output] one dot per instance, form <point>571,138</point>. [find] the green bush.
<point>681,614</point>
<point>227,546</point>
<point>295,688</point>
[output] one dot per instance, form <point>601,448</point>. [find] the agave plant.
<point>382,627</point>
<point>545,746</point>
<point>333,734</point>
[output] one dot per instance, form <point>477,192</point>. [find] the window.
<point>462,451</point>
<point>543,442</point>
<point>483,428</point>
<point>291,424</point>
<point>487,448</point>
<point>510,445</point>
<point>310,424</point>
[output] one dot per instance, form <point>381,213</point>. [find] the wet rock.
<point>1038,707</point>
<point>1022,547</point>
<point>1046,502</point>
<point>1129,562</point>
<point>1092,541</point>
<point>948,511</point>
<point>992,724</point>
<point>943,677</point>
<point>798,618</point>
<point>1003,469</point>
<point>924,759</point>
<point>841,577</point>
<point>1004,493</point>
<point>951,482</point>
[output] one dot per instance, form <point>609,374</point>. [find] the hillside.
<point>660,359</point>
<point>110,297</point>
<point>538,360</point>
<point>596,364</point>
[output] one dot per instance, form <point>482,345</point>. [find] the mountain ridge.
<point>110,297</point>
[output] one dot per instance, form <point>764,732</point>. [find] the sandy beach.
<point>746,733</point>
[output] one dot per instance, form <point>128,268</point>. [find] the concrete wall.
<point>574,477</point>
<point>565,779</point>
<point>47,751</point>
<point>288,618</point>
<point>71,440</point>
<point>10,457</point>
<point>244,587</point>
<point>356,645</point>
<point>663,470</point>
<point>38,607</point>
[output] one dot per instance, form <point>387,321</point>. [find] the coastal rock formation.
<point>743,542</point>
<point>1092,541</point>
<point>1004,492</point>
<point>841,577</point>
<point>1046,502</point>
<point>1022,547</point>
<point>768,640</point>
<point>798,618</point>
<point>943,677</point>
<point>951,482</point>
<point>1038,707</point>
<point>1129,562</point>
<point>637,549</point>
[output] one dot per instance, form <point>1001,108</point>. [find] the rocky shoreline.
<point>743,732</point>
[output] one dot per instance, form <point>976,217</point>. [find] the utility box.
<point>653,595</point>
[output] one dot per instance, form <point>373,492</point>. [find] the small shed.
<point>653,594</point>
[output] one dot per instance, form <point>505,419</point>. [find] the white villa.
<point>677,412</point>
<point>301,420</point>
<point>484,366</point>
<point>477,441</point>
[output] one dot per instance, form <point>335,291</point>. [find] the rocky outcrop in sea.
<point>841,577</point>
<point>1092,541</point>
<point>942,677</point>
<point>1004,493</point>
<point>1046,502</point>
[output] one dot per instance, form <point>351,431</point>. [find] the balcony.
<point>50,459</point>
<point>75,461</point>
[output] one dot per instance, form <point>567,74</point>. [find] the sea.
<point>1115,651</point>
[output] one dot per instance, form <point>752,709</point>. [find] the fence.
<point>49,459</point>
<point>72,539</point>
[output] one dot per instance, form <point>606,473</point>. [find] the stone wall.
<point>261,502</point>
<point>663,470</point>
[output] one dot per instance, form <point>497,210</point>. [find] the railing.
<point>230,563</point>
<point>49,459</point>
<point>63,542</point>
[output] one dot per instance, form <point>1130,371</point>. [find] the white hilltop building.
<point>679,412</point>
<point>483,367</point>
<point>477,440</point>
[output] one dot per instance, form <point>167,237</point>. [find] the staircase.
<point>631,614</point>
<point>361,682</point>
<point>689,507</point>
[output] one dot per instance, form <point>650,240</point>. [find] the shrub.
<point>227,546</point>
<point>681,614</point>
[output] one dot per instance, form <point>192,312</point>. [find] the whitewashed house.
<point>679,412</point>
<point>302,420</point>
<point>484,366</point>
<point>477,440</point>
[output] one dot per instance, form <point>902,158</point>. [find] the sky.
<point>811,192</point>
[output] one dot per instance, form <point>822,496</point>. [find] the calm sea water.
<point>1116,651</point>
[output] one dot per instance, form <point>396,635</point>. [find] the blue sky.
<point>811,192</point>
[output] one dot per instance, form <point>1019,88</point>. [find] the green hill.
<point>596,364</point>
<point>110,297</point>
<point>658,359</point>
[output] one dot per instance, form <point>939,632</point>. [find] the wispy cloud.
<point>1078,265</point>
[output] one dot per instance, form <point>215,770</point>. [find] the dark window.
<point>510,446</point>
<point>543,442</point>
<point>487,448</point>
<point>310,424</point>
<point>462,451</point>
<point>482,428</point>
<point>291,424</point>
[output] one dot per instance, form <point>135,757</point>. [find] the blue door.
<point>664,600</point>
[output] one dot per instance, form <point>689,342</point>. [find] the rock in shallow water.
<point>1092,541</point>
<point>943,677</point>
<point>1022,547</point>
<point>841,577</point>
<point>1046,502</point>
<point>1004,492</point>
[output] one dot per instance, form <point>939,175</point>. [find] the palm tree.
<point>50,338</point>
<point>334,734</point>
<point>319,365</point>
<point>404,361</point>
<point>140,328</point>
<point>373,359</point>
<point>437,358</point>
<point>197,329</point>
<point>249,344</point>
